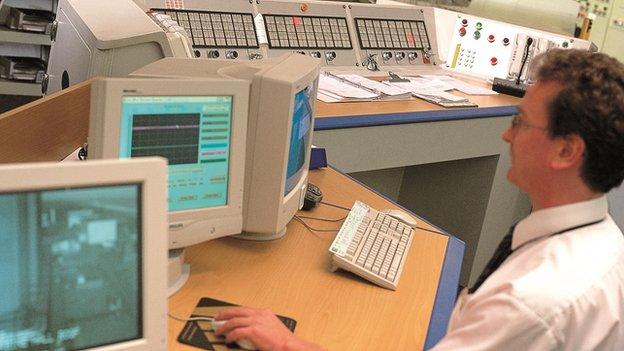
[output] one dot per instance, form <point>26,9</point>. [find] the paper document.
<point>423,86</point>
<point>373,84</point>
<point>462,86</point>
<point>260,31</point>
<point>353,87</point>
<point>334,85</point>
<point>433,90</point>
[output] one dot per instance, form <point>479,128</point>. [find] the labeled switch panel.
<point>391,35</point>
<point>307,32</point>
<point>316,28</point>
<point>216,29</point>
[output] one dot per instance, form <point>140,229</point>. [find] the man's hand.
<point>262,328</point>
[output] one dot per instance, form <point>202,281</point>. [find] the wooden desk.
<point>449,165</point>
<point>292,277</point>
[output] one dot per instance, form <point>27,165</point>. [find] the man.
<point>556,282</point>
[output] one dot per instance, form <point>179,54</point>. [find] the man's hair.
<point>591,105</point>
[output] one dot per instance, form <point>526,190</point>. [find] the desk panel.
<point>292,277</point>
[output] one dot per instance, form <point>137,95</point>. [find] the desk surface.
<point>292,277</point>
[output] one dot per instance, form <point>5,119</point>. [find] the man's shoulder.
<point>565,272</point>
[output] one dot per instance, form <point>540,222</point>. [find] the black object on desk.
<point>312,197</point>
<point>199,334</point>
<point>509,87</point>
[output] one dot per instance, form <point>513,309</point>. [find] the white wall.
<point>616,205</point>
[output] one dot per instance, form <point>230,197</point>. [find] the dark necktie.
<point>500,255</point>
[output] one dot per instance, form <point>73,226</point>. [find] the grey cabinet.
<point>25,39</point>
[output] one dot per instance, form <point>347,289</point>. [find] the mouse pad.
<point>199,333</point>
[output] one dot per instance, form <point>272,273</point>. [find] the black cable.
<point>324,219</point>
<point>313,229</point>
<point>336,206</point>
<point>527,46</point>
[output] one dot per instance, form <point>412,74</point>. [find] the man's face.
<point>530,146</point>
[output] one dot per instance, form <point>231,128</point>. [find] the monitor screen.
<point>299,138</point>
<point>71,267</point>
<point>193,133</point>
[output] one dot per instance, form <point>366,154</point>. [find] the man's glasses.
<point>517,122</point>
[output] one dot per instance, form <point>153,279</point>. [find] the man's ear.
<point>569,152</point>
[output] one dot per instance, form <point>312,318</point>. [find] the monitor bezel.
<point>106,100</point>
<point>150,173</point>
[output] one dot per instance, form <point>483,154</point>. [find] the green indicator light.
<point>479,25</point>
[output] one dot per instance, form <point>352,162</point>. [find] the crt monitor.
<point>199,126</point>
<point>83,254</point>
<point>279,133</point>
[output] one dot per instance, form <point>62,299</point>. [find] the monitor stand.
<point>260,236</point>
<point>178,271</point>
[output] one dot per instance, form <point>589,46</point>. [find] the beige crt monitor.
<point>281,120</point>
<point>84,255</point>
<point>200,126</point>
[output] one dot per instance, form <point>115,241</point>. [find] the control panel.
<point>216,29</point>
<point>340,34</point>
<point>315,28</point>
<point>391,36</point>
<point>487,48</point>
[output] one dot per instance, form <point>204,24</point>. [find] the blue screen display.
<point>193,133</point>
<point>71,268</point>
<point>299,138</point>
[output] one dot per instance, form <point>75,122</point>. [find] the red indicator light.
<point>493,61</point>
<point>491,38</point>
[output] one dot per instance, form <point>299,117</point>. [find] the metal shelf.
<point>11,87</point>
<point>16,36</point>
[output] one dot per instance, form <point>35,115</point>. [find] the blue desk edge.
<point>448,284</point>
<point>355,121</point>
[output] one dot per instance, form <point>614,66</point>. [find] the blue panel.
<point>447,292</point>
<point>328,123</point>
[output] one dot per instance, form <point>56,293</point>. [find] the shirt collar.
<point>551,220</point>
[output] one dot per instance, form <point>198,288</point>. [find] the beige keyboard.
<point>372,245</point>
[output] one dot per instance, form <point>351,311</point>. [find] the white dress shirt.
<point>559,292</point>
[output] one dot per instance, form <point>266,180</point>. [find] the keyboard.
<point>372,245</point>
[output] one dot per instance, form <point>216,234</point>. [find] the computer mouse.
<point>244,344</point>
<point>401,216</point>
